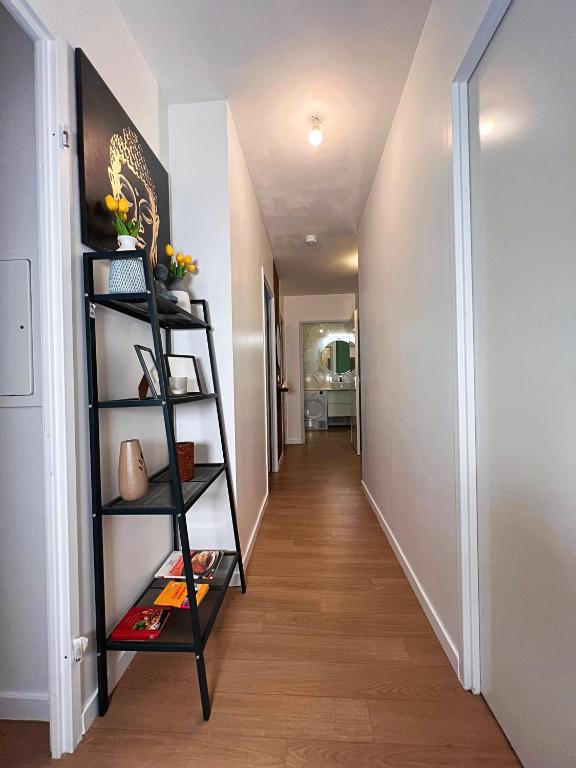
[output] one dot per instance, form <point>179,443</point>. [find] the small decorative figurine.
<point>160,277</point>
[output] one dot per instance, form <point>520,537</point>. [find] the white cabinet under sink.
<point>340,405</point>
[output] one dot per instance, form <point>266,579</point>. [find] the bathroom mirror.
<point>338,357</point>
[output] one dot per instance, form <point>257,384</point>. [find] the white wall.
<point>298,309</point>
<point>216,218</point>
<point>23,632</point>
<point>201,226</point>
<point>251,257</point>
<point>134,547</point>
<point>407,321</point>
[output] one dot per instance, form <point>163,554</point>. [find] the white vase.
<point>182,300</point>
<point>127,243</point>
<point>127,275</point>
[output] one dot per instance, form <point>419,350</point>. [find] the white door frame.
<point>470,664</point>
<point>58,375</point>
<point>270,372</point>
<point>357,399</point>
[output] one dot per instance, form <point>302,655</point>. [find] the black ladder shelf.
<point>186,630</point>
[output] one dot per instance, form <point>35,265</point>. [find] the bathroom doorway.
<point>328,355</point>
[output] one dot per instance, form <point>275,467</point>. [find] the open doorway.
<point>24,676</point>
<point>328,361</point>
<point>39,679</point>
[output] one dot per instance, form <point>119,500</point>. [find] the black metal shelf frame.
<point>187,630</point>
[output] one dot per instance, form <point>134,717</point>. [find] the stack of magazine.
<point>147,622</point>
<point>205,563</point>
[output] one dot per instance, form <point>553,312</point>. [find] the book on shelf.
<point>141,623</point>
<point>204,564</point>
<point>175,595</point>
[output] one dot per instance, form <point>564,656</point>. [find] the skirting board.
<point>293,441</point>
<point>440,630</point>
<point>117,665</point>
<point>23,705</point>
<point>247,554</point>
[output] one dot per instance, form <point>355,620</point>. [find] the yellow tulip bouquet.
<point>180,264</point>
<point>120,209</point>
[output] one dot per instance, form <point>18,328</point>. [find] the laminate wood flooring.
<point>328,661</point>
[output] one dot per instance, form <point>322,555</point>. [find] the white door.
<point>523,183</point>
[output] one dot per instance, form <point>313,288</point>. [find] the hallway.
<point>327,661</point>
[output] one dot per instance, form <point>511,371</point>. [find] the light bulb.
<point>315,136</point>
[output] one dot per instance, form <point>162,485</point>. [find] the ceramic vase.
<point>177,288</point>
<point>132,475</point>
<point>185,453</point>
<point>126,275</point>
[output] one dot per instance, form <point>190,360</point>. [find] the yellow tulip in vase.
<point>180,266</point>
<point>126,275</point>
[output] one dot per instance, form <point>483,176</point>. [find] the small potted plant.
<point>126,275</point>
<point>180,265</point>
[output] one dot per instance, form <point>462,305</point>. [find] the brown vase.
<point>132,475</point>
<point>185,452</point>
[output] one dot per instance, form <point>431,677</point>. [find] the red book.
<point>141,624</point>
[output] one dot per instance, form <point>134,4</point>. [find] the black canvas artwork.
<point>114,159</point>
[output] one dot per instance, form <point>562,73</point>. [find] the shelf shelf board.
<point>136,305</point>
<point>158,500</point>
<point>177,634</point>
<point>134,402</point>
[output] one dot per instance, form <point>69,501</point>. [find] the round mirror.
<point>338,357</point>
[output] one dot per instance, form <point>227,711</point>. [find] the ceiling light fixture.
<point>311,239</point>
<point>315,137</point>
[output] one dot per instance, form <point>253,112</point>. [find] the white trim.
<point>440,630</point>
<point>247,552</point>
<point>270,357</point>
<point>357,396</point>
<point>116,669</point>
<point>54,184</point>
<point>23,705</point>
<point>293,441</point>
<point>466,405</point>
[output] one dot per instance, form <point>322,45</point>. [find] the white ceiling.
<point>278,62</point>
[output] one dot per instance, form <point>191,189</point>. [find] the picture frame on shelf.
<point>148,363</point>
<point>185,365</point>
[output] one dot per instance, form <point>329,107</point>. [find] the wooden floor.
<point>327,661</point>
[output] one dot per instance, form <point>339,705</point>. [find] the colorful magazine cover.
<point>204,564</point>
<point>175,595</point>
<point>141,623</point>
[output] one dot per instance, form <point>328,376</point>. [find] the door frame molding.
<point>269,325</point>
<point>53,111</point>
<point>469,671</point>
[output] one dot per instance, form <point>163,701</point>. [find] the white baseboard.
<point>247,553</point>
<point>293,441</point>
<point>441,633</point>
<point>117,665</point>
<point>23,705</point>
